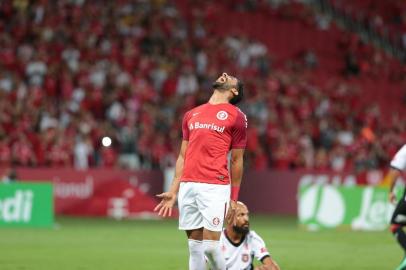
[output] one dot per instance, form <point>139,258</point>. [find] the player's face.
<point>242,223</point>
<point>226,81</point>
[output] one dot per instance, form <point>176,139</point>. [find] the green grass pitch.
<point>103,244</point>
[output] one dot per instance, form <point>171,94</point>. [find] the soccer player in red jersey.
<point>202,177</point>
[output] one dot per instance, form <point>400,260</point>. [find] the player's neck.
<point>233,236</point>
<point>218,98</point>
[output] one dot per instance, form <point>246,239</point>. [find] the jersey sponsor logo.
<point>245,257</point>
<point>212,126</point>
<point>216,221</point>
<point>222,115</point>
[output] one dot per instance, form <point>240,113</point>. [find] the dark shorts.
<point>399,215</point>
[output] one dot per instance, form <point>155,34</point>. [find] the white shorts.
<point>202,205</point>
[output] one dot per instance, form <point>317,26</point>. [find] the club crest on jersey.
<point>222,115</point>
<point>216,221</point>
<point>245,258</point>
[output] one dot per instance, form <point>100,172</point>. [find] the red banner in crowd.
<point>99,192</point>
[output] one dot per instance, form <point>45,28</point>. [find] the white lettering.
<point>12,207</point>
<point>17,208</point>
<point>76,190</point>
<point>211,126</point>
<point>27,209</point>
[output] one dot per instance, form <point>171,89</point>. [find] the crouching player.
<point>240,245</point>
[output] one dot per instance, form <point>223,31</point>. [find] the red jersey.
<point>212,131</point>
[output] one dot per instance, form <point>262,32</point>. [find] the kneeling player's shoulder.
<point>254,235</point>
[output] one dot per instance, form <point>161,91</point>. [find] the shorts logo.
<point>245,258</point>
<point>216,221</point>
<point>222,115</point>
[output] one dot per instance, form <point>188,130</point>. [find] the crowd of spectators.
<point>385,17</point>
<point>75,71</point>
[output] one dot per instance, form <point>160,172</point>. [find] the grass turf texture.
<point>103,244</point>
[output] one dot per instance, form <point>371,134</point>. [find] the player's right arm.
<point>169,198</point>
<point>397,164</point>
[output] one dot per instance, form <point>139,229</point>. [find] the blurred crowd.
<point>385,17</point>
<point>75,71</point>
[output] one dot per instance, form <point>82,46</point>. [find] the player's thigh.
<point>196,234</point>
<point>212,201</point>
<point>211,235</point>
<point>399,215</point>
<point>189,216</point>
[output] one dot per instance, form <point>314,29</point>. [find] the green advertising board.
<point>355,207</point>
<point>26,205</point>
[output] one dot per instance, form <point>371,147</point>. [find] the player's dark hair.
<point>240,88</point>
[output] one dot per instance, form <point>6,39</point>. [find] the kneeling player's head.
<point>229,83</point>
<point>241,223</point>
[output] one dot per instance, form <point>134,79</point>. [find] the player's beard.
<point>219,85</point>
<point>241,230</point>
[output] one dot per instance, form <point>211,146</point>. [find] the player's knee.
<point>209,251</point>
<point>394,228</point>
<point>195,247</point>
<point>210,248</point>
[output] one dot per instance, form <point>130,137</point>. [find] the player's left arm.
<point>239,141</point>
<point>268,264</point>
<point>236,167</point>
<point>261,253</point>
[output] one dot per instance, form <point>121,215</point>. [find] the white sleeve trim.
<point>399,160</point>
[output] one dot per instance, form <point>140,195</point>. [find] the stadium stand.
<point>386,17</point>
<point>318,97</point>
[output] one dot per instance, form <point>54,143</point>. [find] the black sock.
<point>401,237</point>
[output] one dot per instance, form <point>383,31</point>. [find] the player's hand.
<point>231,212</point>
<point>392,197</point>
<point>166,204</point>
